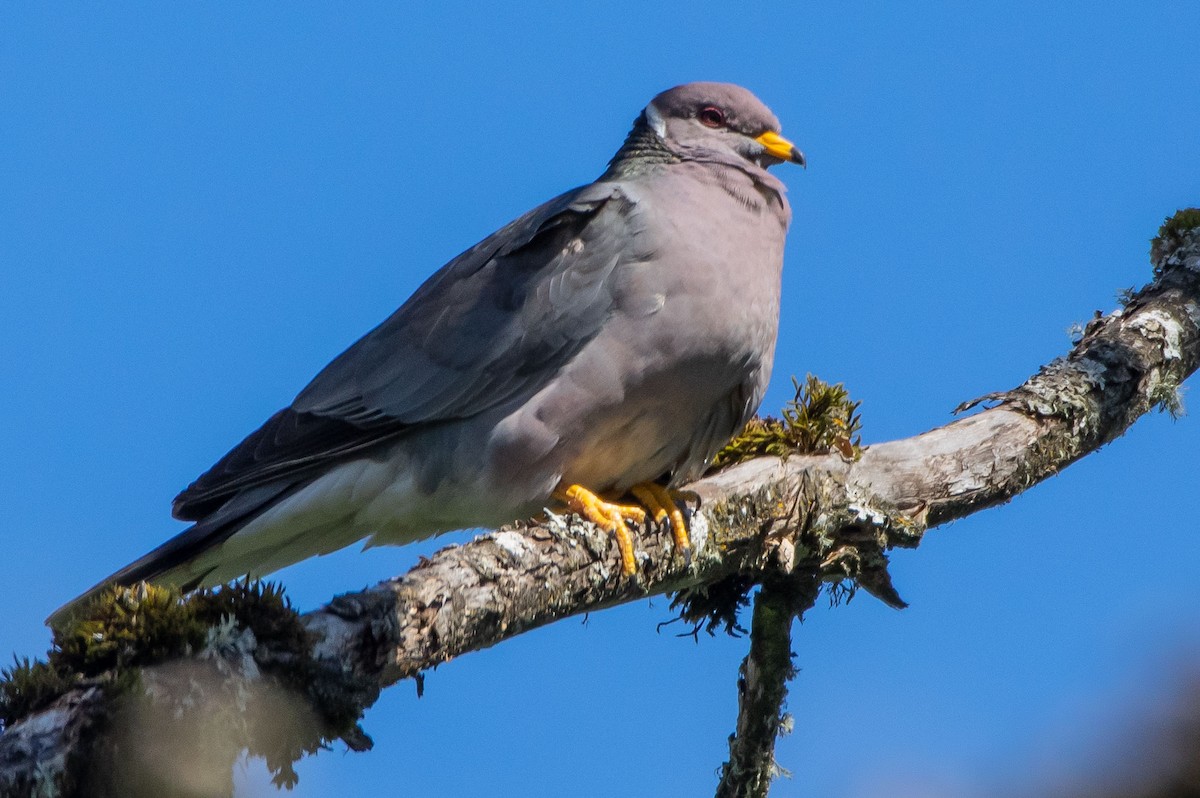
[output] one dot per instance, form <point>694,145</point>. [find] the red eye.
<point>711,116</point>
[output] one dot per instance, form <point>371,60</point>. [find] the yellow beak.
<point>779,147</point>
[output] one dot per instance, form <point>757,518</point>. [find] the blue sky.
<point>202,205</point>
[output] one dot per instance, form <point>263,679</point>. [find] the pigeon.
<point>592,356</point>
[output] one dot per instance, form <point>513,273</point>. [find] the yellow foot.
<point>606,516</point>
<point>663,505</point>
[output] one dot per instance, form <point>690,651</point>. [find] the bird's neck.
<point>643,151</point>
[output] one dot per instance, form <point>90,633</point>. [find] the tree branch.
<point>762,689</point>
<point>800,521</point>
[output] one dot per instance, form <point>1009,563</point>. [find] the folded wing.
<point>491,326</point>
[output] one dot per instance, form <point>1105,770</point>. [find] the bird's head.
<point>719,118</point>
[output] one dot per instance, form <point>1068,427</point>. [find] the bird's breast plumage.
<point>687,352</point>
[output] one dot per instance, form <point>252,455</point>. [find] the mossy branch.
<point>820,418</point>
<point>804,521</point>
<point>762,690</point>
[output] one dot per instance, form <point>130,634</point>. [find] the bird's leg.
<point>663,505</point>
<point>605,515</point>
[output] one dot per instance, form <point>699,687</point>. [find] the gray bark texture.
<point>791,525</point>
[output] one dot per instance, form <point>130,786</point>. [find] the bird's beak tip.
<point>778,147</point>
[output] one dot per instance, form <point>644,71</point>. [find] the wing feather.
<point>492,325</point>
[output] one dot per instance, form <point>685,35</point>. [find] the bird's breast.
<point>710,282</point>
<point>688,349</point>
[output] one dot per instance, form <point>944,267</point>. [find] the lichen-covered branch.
<point>762,689</point>
<point>801,520</point>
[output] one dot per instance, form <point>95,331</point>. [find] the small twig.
<point>762,690</point>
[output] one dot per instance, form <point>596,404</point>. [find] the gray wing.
<point>492,325</point>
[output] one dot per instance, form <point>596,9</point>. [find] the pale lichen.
<point>1159,326</point>
<point>514,544</point>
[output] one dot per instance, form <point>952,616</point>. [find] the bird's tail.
<point>174,563</point>
<point>159,567</point>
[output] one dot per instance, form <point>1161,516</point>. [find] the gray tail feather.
<point>157,566</point>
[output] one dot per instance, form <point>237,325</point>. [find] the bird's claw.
<point>609,516</point>
<point>663,506</point>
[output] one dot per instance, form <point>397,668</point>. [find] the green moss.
<point>821,418</point>
<point>120,630</point>
<point>1171,234</point>
<point>126,629</point>
<point>1183,220</point>
<point>27,686</point>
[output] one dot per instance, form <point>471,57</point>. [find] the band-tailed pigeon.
<point>606,343</point>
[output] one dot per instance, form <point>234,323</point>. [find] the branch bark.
<point>762,689</point>
<point>803,521</point>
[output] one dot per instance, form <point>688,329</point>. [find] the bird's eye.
<point>711,116</point>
